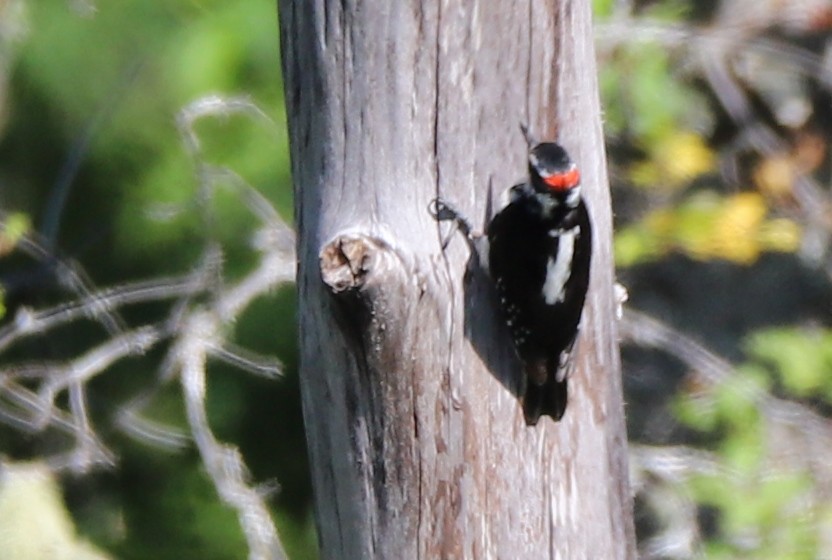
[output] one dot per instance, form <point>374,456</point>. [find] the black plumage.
<point>539,254</point>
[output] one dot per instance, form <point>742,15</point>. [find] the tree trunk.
<point>410,385</point>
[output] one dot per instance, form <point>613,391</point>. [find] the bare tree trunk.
<point>417,441</point>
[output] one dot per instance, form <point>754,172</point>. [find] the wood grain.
<point>416,438</point>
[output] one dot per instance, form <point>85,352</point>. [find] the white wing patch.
<point>559,268</point>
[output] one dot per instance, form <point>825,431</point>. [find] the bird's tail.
<point>548,398</point>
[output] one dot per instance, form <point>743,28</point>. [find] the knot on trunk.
<point>353,261</point>
<point>375,287</point>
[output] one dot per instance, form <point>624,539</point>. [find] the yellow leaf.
<point>734,234</point>
<point>780,235</point>
<point>676,160</point>
<point>707,226</point>
<point>645,174</point>
<point>34,522</point>
<point>775,176</point>
<point>12,229</point>
<point>684,156</point>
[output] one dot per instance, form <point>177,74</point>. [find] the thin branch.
<point>196,331</point>
<point>263,366</point>
<point>223,462</point>
<point>132,423</point>
<point>790,425</point>
<point>28,322</point>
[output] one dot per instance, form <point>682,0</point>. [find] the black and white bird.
<point>538,255</point>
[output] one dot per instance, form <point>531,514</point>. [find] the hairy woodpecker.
<point>539,249</point>
<point>539,252</point>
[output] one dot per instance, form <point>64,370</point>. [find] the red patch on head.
<point>563,181</point>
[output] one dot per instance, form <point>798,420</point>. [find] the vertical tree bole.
<point>410,386</point>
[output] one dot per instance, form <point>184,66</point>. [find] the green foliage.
<point>760,508</point>
<point>671,10</point>
<point>645,99</point>
<point>756,516</point>
<point>602,8</point>
<point>174,512</point>
<point>641,95</point>
<point>107,86</point>
<point>697,412</point>
<point>152,60</point>
<point>730,409</point>
<point>298,537</point>
<point>665,133</point>
<point>654,108</point>
<point>708,226</point>
<point>801,359</point>
<point>12,228</point>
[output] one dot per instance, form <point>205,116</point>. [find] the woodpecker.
<point>539,249</point>
<point>538,255</point>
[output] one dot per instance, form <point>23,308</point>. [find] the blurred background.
<point>143,154</point>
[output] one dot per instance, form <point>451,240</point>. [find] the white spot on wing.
<point>559,268</point>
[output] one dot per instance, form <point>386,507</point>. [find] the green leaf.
<point>802,359</point>
<point>602,8</point>
<point>697,412</point>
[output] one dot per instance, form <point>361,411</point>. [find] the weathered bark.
<point>416,437</point>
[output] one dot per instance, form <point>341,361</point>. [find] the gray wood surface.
<point>416,438</point>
